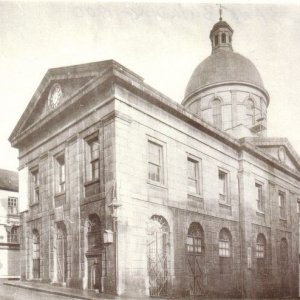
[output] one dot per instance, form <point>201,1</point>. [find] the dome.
<point>223,66</point>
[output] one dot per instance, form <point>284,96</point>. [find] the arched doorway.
<point>158,253</point>
<point>35,254</point>
<point>195,259</point>
<point>61,252</point>
<point>284,267</point>
<point>94,252</point>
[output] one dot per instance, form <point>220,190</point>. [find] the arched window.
<point>260,246</point>
<point>94,232</point>
<point>13,235</point>
<point>158,254</point>
<point>35,254</point>
<point>217,113</point>
<point>223,38</point>
<point>261,253</point>
<point>216,40</point>
<point>225,249</point>
<point>251,111</point>
<point>195,241</point>
<point>224,243</point>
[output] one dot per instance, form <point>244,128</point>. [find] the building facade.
<point>129,192</point>
<point>9,225</point>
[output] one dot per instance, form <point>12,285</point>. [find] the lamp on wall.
<point>114,205</point>
<point>108,237</point>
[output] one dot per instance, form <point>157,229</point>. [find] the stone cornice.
<point>217,84</point>
<point>118,74</point>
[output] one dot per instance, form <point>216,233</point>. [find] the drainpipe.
<point>114,207</point>
<point>241,233</point>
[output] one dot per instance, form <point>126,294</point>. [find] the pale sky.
<point>163,43</point>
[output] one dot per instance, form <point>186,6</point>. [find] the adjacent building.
<point>129,192</point>
<point>9,225</point>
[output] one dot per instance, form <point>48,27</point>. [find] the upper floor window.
<point>13,235</point>
<point>193,176</point>
<point>217,113</point>
<point>259,197</point>
<point>223,187</point>
<point>35,186</point>
<point>61,174</point>
<point>93,164</point>
<point>282,204</point>
<point>12,205</point>
<point>216,40</point>
<point>223,38</point>
<point>251,111</point>
<point>155,162</point>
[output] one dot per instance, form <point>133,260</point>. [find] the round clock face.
<point>55,95</point>
<point>281,154</point>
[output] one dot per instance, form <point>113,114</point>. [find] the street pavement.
<point>18,290</point>
<point>14,293</point>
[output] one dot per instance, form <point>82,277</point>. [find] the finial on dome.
<point>220,12</point>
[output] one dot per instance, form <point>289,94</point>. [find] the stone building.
<point>129,192</point>
<point>9,225</point>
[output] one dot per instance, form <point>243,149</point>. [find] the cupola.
<point>226,89</point>
<point>221,35</point>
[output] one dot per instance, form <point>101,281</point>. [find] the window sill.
<point>91,182</point>
<point>224,204</point>
<point>195,195</point>
<point>283,219</point>
<point>34,204</point>
<point>158,184</point>
<point>59,194</point>
<point>260,213</point>
<point>13,215</point>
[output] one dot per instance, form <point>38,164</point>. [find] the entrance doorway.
<point>195,259</point>
<point>94,253</point>
<point>158,253</point>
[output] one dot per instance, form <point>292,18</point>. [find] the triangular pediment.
<point>59,86</point>
<point>66,87</point>
<point>279,149</point>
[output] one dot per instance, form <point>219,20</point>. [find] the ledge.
<point>157,184</point>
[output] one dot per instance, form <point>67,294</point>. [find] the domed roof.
<point>223,66</point>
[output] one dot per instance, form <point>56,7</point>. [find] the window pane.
<point>192,169</point>
<point>155,153</point>
<point>222,186</point>
<point>155,162</point>
<point>224,248</point>
<point>259,196</point>
<point>94,146</point>
<point>192,186</point>
<point>95,169</point>
<point>154,172</point>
